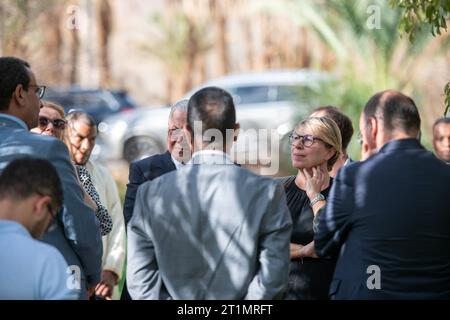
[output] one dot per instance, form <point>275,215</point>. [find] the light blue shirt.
<point>30,269</point>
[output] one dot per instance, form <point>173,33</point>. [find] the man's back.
<point>213,228</point>
<point>31,270</point>
<point>400,223</point>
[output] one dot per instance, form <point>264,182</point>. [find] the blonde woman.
<point>315,147</point>
<point>51,120</point>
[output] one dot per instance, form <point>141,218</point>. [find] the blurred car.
<point>272,100</point>
<point>98,103</point>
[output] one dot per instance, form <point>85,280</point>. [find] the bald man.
<point>388,217</point>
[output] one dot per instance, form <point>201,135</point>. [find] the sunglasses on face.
<point>57,123</point>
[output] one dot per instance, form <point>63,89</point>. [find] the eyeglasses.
<point>174,134</point>
<point>359,138</point>
<point>307,140</point>
<point>57,123</point>
<point>52,224</point>
<point>40,90</point>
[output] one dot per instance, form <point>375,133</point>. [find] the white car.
<point>268,105</point>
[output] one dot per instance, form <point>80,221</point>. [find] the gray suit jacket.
<point>78,234</point>
<point>209,231</point>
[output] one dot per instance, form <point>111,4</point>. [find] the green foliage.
<point>416,13</point>
<point>174,35</point>
<point>447,98</point>
<point>369,59</point>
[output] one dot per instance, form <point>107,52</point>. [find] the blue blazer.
<point>78,233</point>
<point>141,171</point>
<point>388,218</point>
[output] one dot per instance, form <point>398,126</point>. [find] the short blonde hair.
<point>327,130</point>
<point>54,106</point>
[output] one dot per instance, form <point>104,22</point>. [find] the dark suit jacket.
<point>141,171</point>
<point>389,218</point>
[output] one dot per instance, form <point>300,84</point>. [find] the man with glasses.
<point>211,230</point>
<point>176,156</point>
<point>77,235</point>
<point>30,196</point>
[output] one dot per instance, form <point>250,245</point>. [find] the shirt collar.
<point>210,157</point>
<point>11,226</point>
<point>17,121</point>
<point>410,143</point>
<point>177,163</point>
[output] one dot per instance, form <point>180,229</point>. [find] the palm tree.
<point>105,24</point>
<point>368,60</point>
<point>177,43</point>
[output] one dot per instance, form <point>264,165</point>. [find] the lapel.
<point>163,163</point>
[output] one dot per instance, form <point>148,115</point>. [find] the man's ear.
<point>19,95</point>
<point>237,127</point>
<point>40,206</point>
<point>373,131</point>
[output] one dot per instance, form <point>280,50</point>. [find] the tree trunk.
<point>190,58</point>
<point>169,89</point>
<point>222,42</point>
<point>104,28</point>
<point>203,72</point>
<point>53,45</point>
<point>74,56</point>
<point>249,43</point>
<point>15,45</point>
<point>306,57</point>
<point>268,52</point>
<point>2,28</point>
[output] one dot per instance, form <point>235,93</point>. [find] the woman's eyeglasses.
<point>57,123</point>
<point>307,140</point>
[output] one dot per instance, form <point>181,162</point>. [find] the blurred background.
<point>117,58</point>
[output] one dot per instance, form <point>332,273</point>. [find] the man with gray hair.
<point>211,230</point>
<point>147,169</point>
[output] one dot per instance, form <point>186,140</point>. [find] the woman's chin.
<point>298,164</point>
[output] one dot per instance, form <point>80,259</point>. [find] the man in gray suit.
<point>77,235</point>
<point>211,230</point>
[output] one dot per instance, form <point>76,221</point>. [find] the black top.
<point>309,278</point>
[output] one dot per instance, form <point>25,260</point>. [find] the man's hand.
<point>105,288</point>
<point>298,251</point>
<point>308,251</point>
